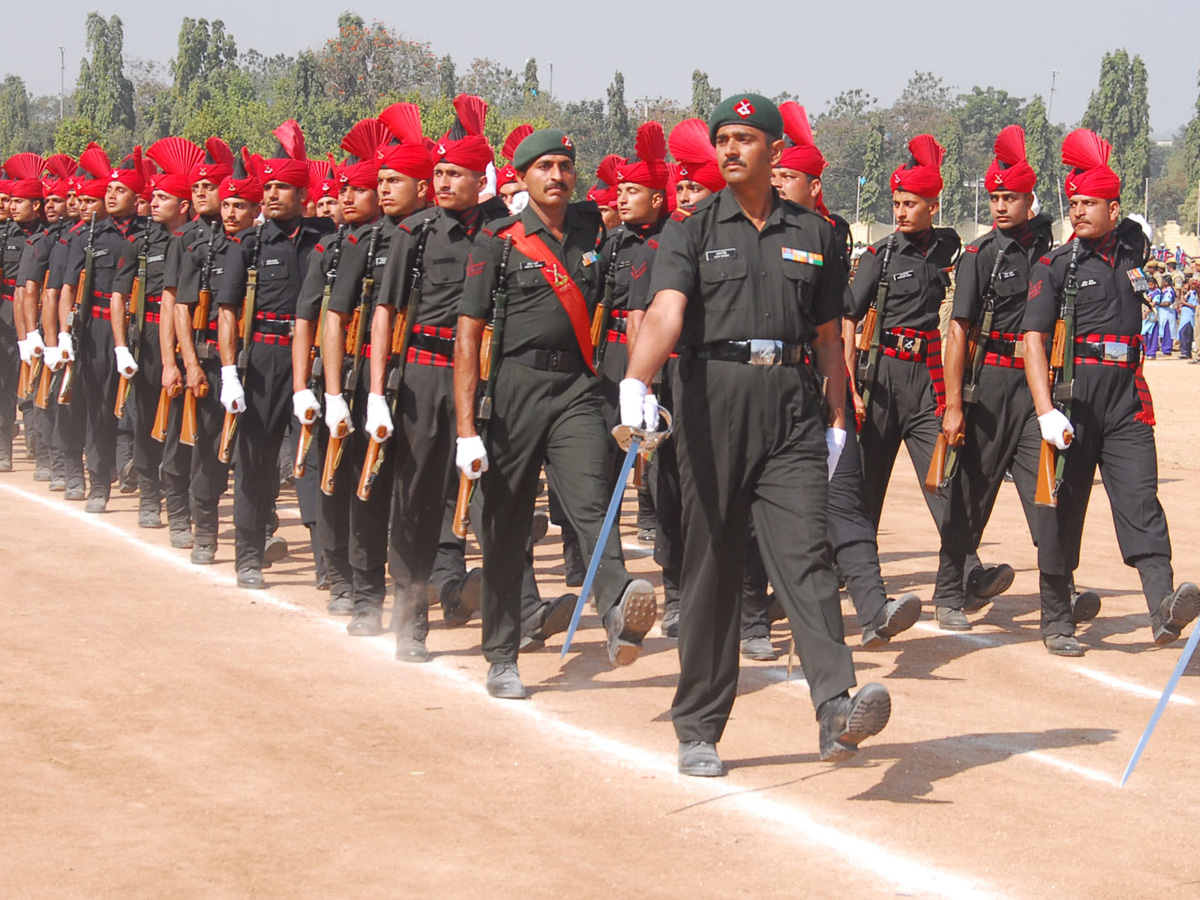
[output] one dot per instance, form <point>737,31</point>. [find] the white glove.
<point>379,418</point>
<point>835,442</point>
<point>337,412</point>
<point>54,359</point>
<point>470,451</point>
<point>66,347</point>
<point>639,408</point>
<point>23,350</point>
<point>1053,425</point>
<point>233,397</point>
<point>306,406</point>
<point>127,366</point>
<point>36,345</point>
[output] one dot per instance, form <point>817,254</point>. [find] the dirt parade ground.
<point>163,733</point>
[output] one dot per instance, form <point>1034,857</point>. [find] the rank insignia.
<point>803,256</point>
<point>1137,278</point>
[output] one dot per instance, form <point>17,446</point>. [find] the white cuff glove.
<point>127,366</point>
<point>23,350</point>
<point>36,345</point>
<point>639,408</point>
<point>379,418</point>
<point>835,442</point>
<point>306,406</point>
<point>1053,425</point>
<point>53,358</point>
<point>233,397</point>
<point>471,453</point>
<point>337,413</point>
<point>66,347</point>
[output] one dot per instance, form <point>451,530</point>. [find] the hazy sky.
<point>812,51</point>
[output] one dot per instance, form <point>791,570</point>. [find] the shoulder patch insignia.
<point>872,251</point>
<point>652,243</point>
<point>971,248</point>
<point>1044,260</point>
<point>320,248</point>
<point>680,214</point>
<point>475,268</point>
<point>352,239</point>
<point>637,271</point>
<point>1034,290</point>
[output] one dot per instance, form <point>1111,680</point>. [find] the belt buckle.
<point>1115,351</point>
<point>765,353</point>
<point>910,344</point>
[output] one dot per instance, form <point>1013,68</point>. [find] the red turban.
<point>322,179</point>
<point>1087,154</point>
<point>507,174</point>
<point>6,186</point>
<point>695,154</point>
<point>411,156</point>
<point>1010,170</point>
<point>239,184</point>
<point>60,168</point>
<point>130,173</point>
<point>923,176</point>
<point>649,168</point>
<point>363,141</point>
<point>290,165</point>
<point>470,149</point>
<point>802,155</point>
<point>177,158</point>
<point>25,169</point>
<point>604,193</point>
<point>216,164</point>
<point>94,169</point>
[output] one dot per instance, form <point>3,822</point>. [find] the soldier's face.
<point>24,209</point>
<point>120,200</point>
<point>399,194</point>
<point>689,193</point>
<point>1092,217</point>
<point>330,208</point>
<point>746,155</point>
<point>638,204</point>
<point>610,217</point>
<point>283,201</point>
<point>56,208</point>
<point>455,187</point>
<point>73,206</point>
<point>913,212</point>
<point>358,204</point>
<point>550,180</point>
<point>1010,209</point>
<point>92,206</point>
<point>509,191</point>
<point>206,198</point>
<point>797,186</point>
<point>238,214</point>
<point>167,209</point>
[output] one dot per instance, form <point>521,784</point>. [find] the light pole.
<point>62,80</point>
<point>858,199</point>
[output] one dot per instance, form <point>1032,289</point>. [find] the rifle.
<point>42,373</point>
<point>490,354</point>
<point>163,412</point>
<point>872,330</point>
<point>246,333</point>
<point>1062,387</point>
<point>944,464</point>
<point>80,310</point>
<point>397,362</point>
<point>600,318</point>
<point>188,433</point>
<point>316,356</point>
<point>136,312</point>
<point>360,326</point>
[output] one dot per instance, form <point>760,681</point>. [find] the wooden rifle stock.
<point>1047,458</point>
<point>370,469</point>
<point>598,318</point>
<point>462,506</point>
<point>123,384</point>
<point>868,329</point>
<point>66,385</point>
<point>333,458</point>
<point>228,430</point>
<point>162,413</point>
<point>303,442</point>
<point>188,428</point>
<point>941,466</point>
<point>42,398</point>
<point>36,368</point>
<point>485,353</point>
<point>23,381</point>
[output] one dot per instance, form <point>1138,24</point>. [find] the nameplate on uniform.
<point>803,256</point>
<point>155,259</point>
<point>727,253</point>
<point>1137,278</point>
<point>381,260</point>
<point>1091,282</point>
<point>272,262</point>
<point>590,257</point>
<point>535,264</point>
<point>99,253</point>
<point>1004,276</point>
<point>900,276</point>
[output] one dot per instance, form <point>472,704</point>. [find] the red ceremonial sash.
<point>560,281</point>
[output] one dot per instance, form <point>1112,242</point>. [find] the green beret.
<point>540,143</point>
<point>746,109</point>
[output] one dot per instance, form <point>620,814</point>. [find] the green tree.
<point>529,86</point>
<point>705,96</point>
<point>104,94</point>
<point>1042,141</point>
<point>1118,111</point>
<point>1191,162</point>
<point>874,174</point>
<point>620,130</point>
<point>14,116</point>
<point>842,133</point>
<point>447,78</point>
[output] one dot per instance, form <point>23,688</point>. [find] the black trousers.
<point>70,428</point>
<point>1107,435</point>
<point>96,366</point>
<point>558,418</point>
<point>208,476</point>
<point>1001,433</point>
<point>668,536</point>
<point>751,444</point>
<point>260,431</point>
<point>10,375</point>
<point>156,479</point>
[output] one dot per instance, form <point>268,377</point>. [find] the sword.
<point>635,441</point>
<point>1172,683</point>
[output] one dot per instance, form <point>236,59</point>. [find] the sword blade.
<point>610,517</point>
<point>1172,683</point>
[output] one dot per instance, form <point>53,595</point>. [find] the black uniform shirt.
<point>622,247</point>
<point>742,283</point>
<point>917,281</point>
<point>154,244</point>
<point>112,239</point>
<point>188,254</point>
<point>1107,302</point>
<point>325,256</point>
<point>536,317</point>
<point>282,264</point>
<point>1012,277</point>
<point>35,257</point>
<point>641,266</point>
<point>352,268</point>
<point>59,254</point>
<point>443,265</point>
<point>15,240</point>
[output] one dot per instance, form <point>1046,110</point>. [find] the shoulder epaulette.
<point>1044,260</point>
<point>352,239</point>
<point>972,248</point>
<point>872,251</point>
<point>680,214</point>
<point>652,243</point>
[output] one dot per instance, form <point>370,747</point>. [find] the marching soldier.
<point>905,395</point>
<point>754,438</point>
<point>547,402</point>
<point>278,252</point>
<point>1096,279</point>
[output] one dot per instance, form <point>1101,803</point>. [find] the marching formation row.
<point>424,320</point>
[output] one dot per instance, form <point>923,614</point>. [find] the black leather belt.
<point>565,361</point>
<point>1011,349</point>
<point>1119,352</point>
<point>431,343</point>
<point>756,352</point>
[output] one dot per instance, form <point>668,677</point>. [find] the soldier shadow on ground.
<point>916,767</point>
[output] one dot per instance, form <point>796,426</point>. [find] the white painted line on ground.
<point>1130,688</point>
<point>636,550</point>
<point>905,873</point>
<point>983,640</point>
<point>1091,774</point>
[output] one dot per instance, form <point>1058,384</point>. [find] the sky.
<point>743,45</point>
